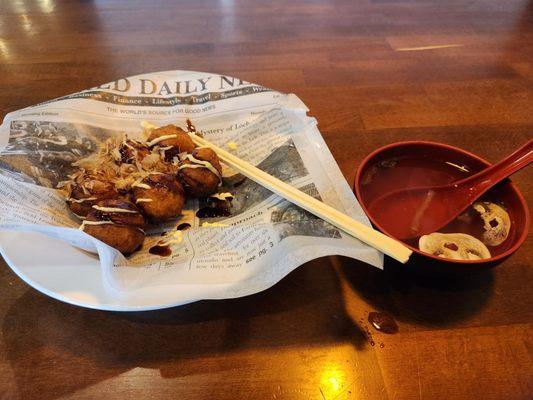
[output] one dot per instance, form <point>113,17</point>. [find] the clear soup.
<point>400,172</point>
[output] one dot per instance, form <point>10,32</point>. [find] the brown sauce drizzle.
<point>158,183</point>
<point>383,322</point>
<point>212,212</point>
<point>183,227</point>
<point>190,126</point>
<point>163,251</point>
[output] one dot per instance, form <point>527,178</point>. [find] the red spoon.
<point>413,212</point>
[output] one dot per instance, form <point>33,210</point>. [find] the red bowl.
<point>506,192</point>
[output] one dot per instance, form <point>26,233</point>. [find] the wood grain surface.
<point>372,72</point>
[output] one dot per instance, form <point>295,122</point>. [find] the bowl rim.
<point>369,157</point>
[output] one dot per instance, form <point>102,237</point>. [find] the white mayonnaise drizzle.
<point>114,209</point>
<point>176,237</point>
<point>162,151</point>
<point>144,200</point>
<point>84,223</point>
<point>81,200</point>
<point>222,196</point>
<point>161,138</point>
<point>212,225</point>
<point>232,145</point>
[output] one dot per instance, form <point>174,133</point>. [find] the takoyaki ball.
<point>163,200</point>
<point>118,223</point>
<point>200,179</point>
<point>175,137</point>
<point>87,192</point>
<point>131,150</point>
<point>124,238</point>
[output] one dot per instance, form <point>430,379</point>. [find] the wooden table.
<point>372,73</point>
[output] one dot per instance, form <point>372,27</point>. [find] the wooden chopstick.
<point>383,243</point>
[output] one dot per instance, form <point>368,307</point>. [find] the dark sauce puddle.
<point>212,212</point>
<point>183,227</point>
<point>383,322</point>
<point>216,208</point>
<point>163,251</point>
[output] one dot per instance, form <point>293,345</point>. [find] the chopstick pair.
<point>381,242</point>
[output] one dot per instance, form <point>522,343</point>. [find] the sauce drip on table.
<point>383,322</point>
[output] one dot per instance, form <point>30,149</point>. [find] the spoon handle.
<point>506,167</point>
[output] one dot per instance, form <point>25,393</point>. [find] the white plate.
<point>73,276</point>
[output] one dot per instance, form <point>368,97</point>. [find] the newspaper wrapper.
<point>265,237</point>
